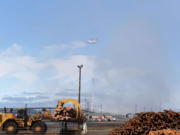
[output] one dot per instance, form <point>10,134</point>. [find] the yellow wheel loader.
<point>11,123</point>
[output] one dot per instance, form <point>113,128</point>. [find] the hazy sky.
<point>135,62</point>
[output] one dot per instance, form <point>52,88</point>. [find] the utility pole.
<point>79,87</point>
<point>135,109</point>
<point>160,106</point>
<point>151,109</point>
<point>79,82</point>
<point>85,106</point>
<point>144,109</point>
<point>88,110</point>
<point>101,108</point>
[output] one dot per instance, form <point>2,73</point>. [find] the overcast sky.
<point>135,62</point>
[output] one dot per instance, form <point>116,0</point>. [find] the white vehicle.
<point>92,41</point>
<point>113,119</point>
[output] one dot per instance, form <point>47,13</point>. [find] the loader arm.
<point>39,116</point>
<point>78,106</point>
<point>48,114</point>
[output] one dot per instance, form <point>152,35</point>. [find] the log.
<point>66,113</point>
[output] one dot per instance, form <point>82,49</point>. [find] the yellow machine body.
<point>47,115</point>
<point>21,122</point>
<point>25,122</point>
<point>4,117</point>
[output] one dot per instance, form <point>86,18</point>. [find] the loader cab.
<point>22,113</point>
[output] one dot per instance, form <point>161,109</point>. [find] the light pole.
<point>88,107</point>
<point>79,82</point>
<point>79,87</point>
<point>101,108</point>
<point>85,106</point>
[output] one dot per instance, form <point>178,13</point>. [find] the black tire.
<point>38,128</point>
<point>45,128</point>
<point>16,131</point>
<point>11,128</point>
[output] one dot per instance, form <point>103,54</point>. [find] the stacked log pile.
<point>165,132</point>
<point>67,114</point>
<point>143,123</point>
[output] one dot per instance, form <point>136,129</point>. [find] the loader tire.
<point>38,128</point>
<point>11,128</point>
<point>45,128</point>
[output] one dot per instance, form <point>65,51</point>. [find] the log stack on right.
<point>68,114</point>
<point>164,132</point>
<point>145,122</point>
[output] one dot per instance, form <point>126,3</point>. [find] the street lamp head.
<point>80,66</point>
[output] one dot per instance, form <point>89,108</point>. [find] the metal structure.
<point>85,106</point>
<point>160,106</point>
<point>101,108</point>
<point>135,108</point>
<point>79,98</point>
<point>69,114</point>
<point>92,105</point>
